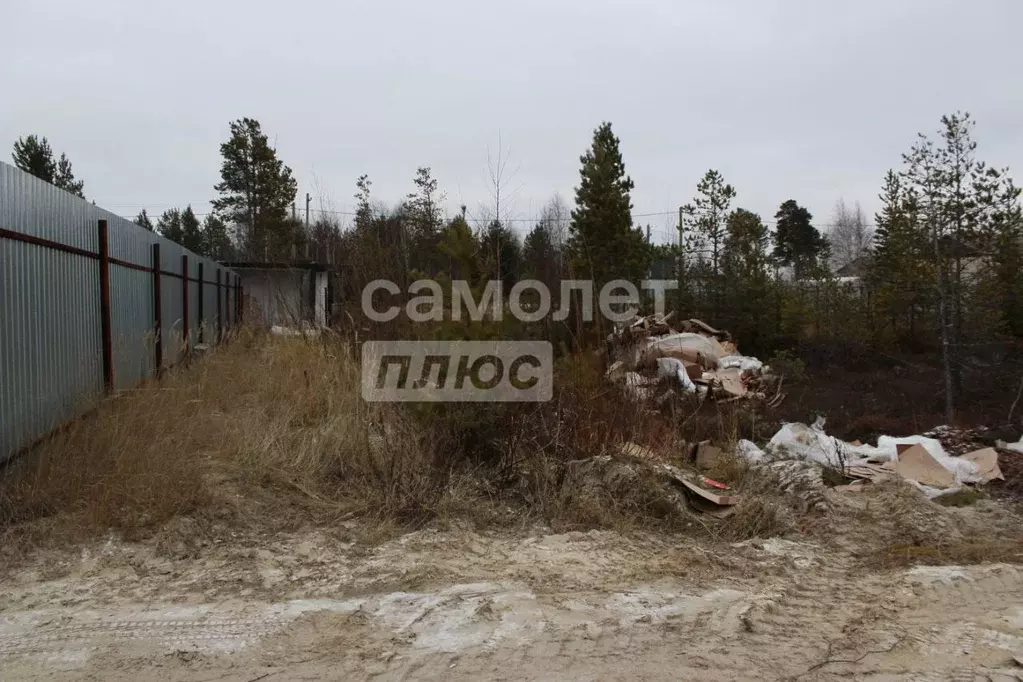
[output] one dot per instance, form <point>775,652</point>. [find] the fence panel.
<point>51,319</point>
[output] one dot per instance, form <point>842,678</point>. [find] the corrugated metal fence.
<point>90,304</point>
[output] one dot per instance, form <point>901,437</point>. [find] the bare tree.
<point>555,217</point>
<point>498,178</point>
<point>850,235</point>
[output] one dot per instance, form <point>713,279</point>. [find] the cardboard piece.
<point>731,382</point>
<point>693,369</point>
<point>987,464</point>
<point>916,464</point>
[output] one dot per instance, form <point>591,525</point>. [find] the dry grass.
<point>283,414</point>
<point>281,424</point>
<point>131,464</point>
<point>268,431</point>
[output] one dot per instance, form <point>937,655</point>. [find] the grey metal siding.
<point>51,345</point>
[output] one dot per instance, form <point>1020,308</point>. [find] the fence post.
<point>184,303</point>
<point>104,308</point>
<point>312,297</point>
<point>200,311</point>
<point>240,299</point>
<point>220,321</point>
<point>157,309</point>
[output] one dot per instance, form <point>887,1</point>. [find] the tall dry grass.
<point>282,419</point>
<point>272,412</point>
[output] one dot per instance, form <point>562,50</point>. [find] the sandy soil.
<point>462,605</point>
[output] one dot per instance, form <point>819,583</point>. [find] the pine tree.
<point>422,221</point>
<point>745,265</point>
<point>65,179</point>
<point>256,191</point>
<point>191,232</point>
<point>797,242</point>
<point>705,218</point>
<point>602,244</point>
<point>461,252</point>
<point>216,242</point>
<point>502,253</point>
<point>169,225</point>
<point>363,211</point>
<point>745,246</point>
<point>142,220</point>
<point>33,154</point>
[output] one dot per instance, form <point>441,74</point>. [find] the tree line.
<point>939,268</point>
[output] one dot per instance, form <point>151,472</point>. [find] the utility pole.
<point>647,234</point>
<point>681,254</point>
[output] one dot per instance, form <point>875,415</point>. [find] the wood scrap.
<point>714,498</point>
<point>638,451</point>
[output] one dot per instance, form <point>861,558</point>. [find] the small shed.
<point>284,295</point>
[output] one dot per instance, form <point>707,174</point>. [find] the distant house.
<point>857,267</point>
<point>284,295</point>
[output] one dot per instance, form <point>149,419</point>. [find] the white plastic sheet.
<point>749,451</point>
<point>673,367</point>
<point>1017,447</point>
<point>743,363</point>
<point>708,348</point>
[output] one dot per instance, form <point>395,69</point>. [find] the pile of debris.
<point>922,461</point>
<point>697,357</point>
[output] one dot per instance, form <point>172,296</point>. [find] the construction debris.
<point>987,464</point>
<point>695,357</point>
<point>916,464</point>
<point>919,460</point>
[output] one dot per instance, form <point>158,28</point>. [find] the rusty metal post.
<point>220,319</point>
<point>104,307</point>
<point>201,319</point>
<point>157,309</point>
<point>184,303</point>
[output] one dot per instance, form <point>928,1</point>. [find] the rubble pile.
<point>693,356</point>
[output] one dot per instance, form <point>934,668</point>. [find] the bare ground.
<point>208,602</point>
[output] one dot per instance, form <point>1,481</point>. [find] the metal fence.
<point>91,304</point>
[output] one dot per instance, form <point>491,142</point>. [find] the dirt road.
<point>459,605</point>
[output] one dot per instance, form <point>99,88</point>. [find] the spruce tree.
<point>602,243</point>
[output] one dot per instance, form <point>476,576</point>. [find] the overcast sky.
<point>810,100</point>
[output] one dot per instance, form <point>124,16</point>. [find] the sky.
<point>788,99</point>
